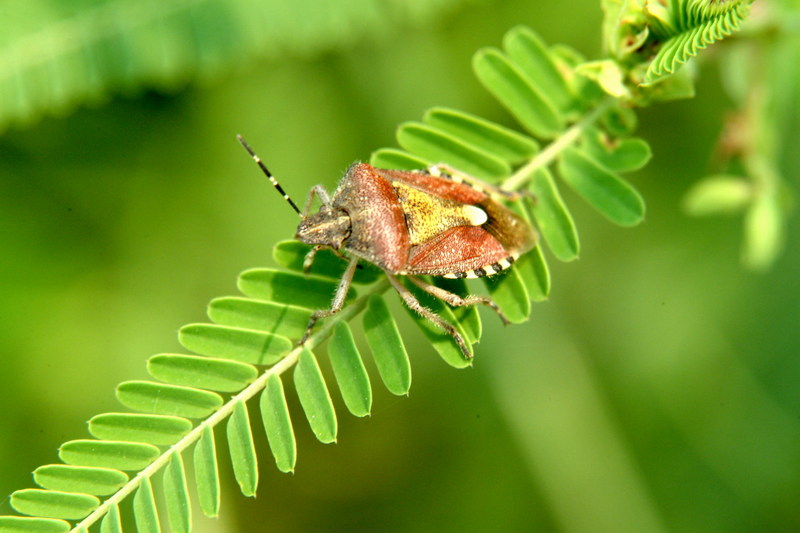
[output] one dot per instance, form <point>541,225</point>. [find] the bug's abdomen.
<point>477,250</point>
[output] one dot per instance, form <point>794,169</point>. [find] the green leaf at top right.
<point>602,188</point>
<point>618,155</point>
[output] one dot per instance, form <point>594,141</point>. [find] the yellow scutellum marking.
<point>428,216</point>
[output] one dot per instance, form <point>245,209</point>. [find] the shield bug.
<point>433,222</point>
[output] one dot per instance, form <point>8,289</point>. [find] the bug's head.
<point>330,226</point>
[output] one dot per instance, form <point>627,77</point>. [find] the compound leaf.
<point>696,30</point>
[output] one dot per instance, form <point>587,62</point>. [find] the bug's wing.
<point>442,187</point>
<point>463,251</point>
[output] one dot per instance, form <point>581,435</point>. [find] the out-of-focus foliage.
<point>56,55</point>
<point>654,392</point>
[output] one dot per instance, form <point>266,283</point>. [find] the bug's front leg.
<point>324,197</point>
<point>308,260</point>
<point>412,302</point>
<point>338,299</point>
<point>458,301</point>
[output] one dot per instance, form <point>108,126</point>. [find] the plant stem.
<point>225,411</point>
<point>521,177</point>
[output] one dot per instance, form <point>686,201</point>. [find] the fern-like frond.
<point>694,25</point>
<point>250,345</point>
<point>54,57</point>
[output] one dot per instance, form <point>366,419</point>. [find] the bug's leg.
<point>412,302</point>
<point>338,299</point>
<point>456,175</point>
<point>324,197</point>
<point>458,301</point>
<point>308,260</point>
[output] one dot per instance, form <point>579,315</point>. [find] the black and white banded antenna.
<point>268,174</point>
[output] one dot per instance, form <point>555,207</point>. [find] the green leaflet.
<point>144,509</point>
<point>436,145</point>
<point>533,271</point>
<point>288,320</point>
<point>25,524</point>
<point>509,85</point>
<point>53,503</point>
<point>397,159</point>
<point>153,429</point>
<point>510,294</point>
<point>619,121</point>
<point>609,75</point>
<point>242,450</point>
<point>764,232</point>
<point>387,346</point>
<point>619,155</point>
<point>278,424</point>
<point>206,473</point>
<point>491,138</point>
<point>111,522</point>
<point>553,218</point>
<point>529,52</point>
<point>176,496</point>
<point>201,372</point>
<point>171,400</point>
<point>85,479</point>
<point>314,292</point>
<point>719,194</point>
<point>291,255</point>
<point>108,454</point>
<point>314,398</point>
<point>243,345</point>
<point>351,375</point>
<point>604,190</point>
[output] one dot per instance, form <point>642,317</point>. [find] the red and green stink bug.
<point>434,222</point>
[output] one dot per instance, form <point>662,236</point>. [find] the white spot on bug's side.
<point>475,215</point>
<point>486,270</point>
<point>434,171</point>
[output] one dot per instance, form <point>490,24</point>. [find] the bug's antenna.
<point>268,174</point>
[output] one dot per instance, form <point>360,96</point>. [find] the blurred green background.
<point>655,391</point>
